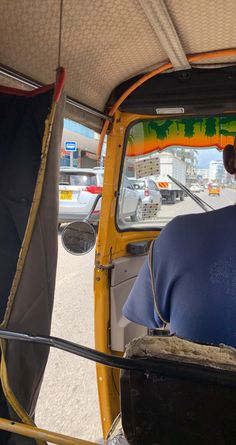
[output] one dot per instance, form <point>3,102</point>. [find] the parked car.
<point>78,189</point>
<point>130,202</point>
<point>150,195</point>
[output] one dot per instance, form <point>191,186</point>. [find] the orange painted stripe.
<point>163,184</point>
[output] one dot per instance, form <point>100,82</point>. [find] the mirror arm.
<point>98,197</point>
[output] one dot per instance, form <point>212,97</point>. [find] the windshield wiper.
<point>203,204</point>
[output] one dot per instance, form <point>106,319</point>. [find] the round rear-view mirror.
<point>78,237</point>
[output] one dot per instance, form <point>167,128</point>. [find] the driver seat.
<point>186,397</point>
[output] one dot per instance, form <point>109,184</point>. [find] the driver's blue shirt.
<point>194,277</point>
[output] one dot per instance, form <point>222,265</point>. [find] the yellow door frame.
<point>111,244</point>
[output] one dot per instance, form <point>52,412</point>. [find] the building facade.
<point>216,171</point>
<point>86,142</point>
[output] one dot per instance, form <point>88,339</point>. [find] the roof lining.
<point>35,84</point>
<point>191,58</point>
<point>94,118</point>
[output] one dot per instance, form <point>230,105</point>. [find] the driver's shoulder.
<point>186,225</point>
<point>181,228</point>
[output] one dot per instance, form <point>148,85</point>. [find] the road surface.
<point>168,211</point>
<point>68,401</point>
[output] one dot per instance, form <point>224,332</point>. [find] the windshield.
<point>138,184</point>
<point>188,150</point>
<point>81,179</point>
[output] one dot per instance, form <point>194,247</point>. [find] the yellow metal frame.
<point>40,434</point>
<point>111,244</point>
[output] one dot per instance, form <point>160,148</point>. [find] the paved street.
<point>68,400</point>
<point>168,211</point>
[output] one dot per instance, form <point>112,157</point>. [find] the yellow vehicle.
<point>214,189</point>
<point>152,76</point>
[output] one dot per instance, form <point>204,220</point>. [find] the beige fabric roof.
<point>105,42</point>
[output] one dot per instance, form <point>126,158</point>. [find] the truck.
<point>173,166</point>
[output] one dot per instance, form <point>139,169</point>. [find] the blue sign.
<point>70,145</point>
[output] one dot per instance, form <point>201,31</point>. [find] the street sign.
<point>70,145</point>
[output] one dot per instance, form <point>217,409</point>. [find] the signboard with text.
<point>70,145</point>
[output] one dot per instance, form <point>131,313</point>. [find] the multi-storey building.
<point>86,142</point>
<point>216,171</point>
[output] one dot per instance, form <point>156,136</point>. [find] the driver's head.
<point>229,158</point>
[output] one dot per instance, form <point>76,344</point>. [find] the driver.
<point>189,277</point>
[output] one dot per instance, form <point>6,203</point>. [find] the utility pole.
<point>71,158</point>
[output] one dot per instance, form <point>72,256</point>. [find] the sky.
<point>205,156</point>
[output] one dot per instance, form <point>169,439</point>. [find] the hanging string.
<point>60,35</point>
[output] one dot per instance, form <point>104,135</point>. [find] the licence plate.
<point>66,194</point>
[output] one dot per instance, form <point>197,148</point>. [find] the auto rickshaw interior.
<point>195,115</point>
<point>178,113</point>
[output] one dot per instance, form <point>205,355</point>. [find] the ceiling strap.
<point>160,20</point>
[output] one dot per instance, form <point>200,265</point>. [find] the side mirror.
<point>78,238</point>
